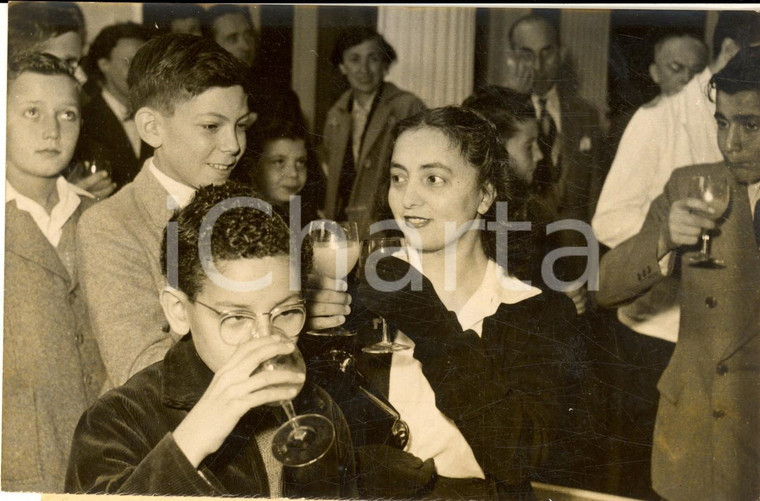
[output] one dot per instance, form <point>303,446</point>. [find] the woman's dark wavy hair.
<point>478,142</point>
<point>240,232</point>
<point>357,35</point>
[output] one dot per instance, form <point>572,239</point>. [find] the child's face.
<point>204,138</point>
<point>282,169</point>
<point>204,323</point>
<point>523,150</point>
<point>42,124</point>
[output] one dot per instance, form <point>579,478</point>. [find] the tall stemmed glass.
<point>336,251</point>
<point>302,439</point>
<point>714,191</point>
<point>373,250</point>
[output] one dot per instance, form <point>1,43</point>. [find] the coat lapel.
<point>152,198</point>
<point>381,120</point>
<point>31,245</point>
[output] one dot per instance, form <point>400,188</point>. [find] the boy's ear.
<point>175,304</point>
<point>148,122</point>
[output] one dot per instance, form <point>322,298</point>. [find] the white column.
<point>435,48</point>
<point>305,59</point>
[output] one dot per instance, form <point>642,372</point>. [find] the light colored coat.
<point>119,258</point>
<point>376,149</point>
<point>52,370</point>
<point>707,433</point>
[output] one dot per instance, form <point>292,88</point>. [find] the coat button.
<point>722,369</point>
<point>88,380</point>
<point>717,414</point>
<point>79,338</point>
<point>711,301</point>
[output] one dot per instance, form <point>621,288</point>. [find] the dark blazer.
<point>124,444</point>
<point>582,172</point>
<point>374,156</point>
<point>707,433</point>
<point>581,176</point>
<point>104,140</point>
<point>52,369</point>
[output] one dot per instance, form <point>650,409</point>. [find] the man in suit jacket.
<point>707,434</point>
<point>109,136</point>
<point>569,177</point>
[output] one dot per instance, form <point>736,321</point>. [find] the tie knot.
<point>542,103</point>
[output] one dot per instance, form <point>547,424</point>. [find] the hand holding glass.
<point>336,251</point>
<point>303,439</point>
<point>714,191</point>
<point>373,250</point>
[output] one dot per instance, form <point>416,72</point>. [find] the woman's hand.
<point>233,392</point>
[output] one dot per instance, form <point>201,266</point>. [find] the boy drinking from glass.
<point>197,422</point>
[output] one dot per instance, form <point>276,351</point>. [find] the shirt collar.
<point>116,106</point>
<point>181,193</point>
<point>51,224</point>
<point>753,190</point>
<point>496,289</point>
<point>358,108</point>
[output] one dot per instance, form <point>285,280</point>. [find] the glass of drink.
<point>302,439</point>
<point>336,251</point>
<point>715,192</point>
<point>373,250</point>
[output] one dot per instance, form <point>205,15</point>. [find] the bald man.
<point>677,58</point>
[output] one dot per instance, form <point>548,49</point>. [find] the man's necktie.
<point>547,134</point>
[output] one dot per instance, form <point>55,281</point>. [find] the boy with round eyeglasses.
<point>201,421</point>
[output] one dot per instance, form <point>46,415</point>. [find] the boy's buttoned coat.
<point>52,370</point>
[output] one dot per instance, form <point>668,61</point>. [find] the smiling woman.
<point>357,130</point>
<point>479,389</point>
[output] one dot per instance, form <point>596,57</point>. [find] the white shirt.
<point>181,193</point>
<point>554,110</point>
<point>753,190</point>
<point>431,433</point>
<point>359,116</point>
<point>51,225</point>
<point>676,131</point>
<point>127,122</point>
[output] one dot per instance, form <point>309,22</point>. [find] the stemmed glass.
<point>303,439</point>
<point>336,251</point>
<point>373,250</point>
<point>715,192</point>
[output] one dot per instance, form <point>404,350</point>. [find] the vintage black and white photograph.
<point>382,252</point>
